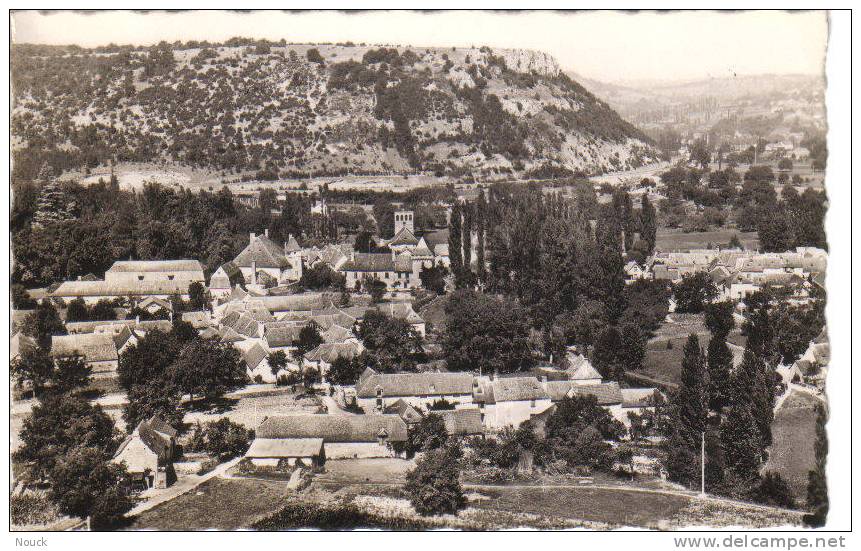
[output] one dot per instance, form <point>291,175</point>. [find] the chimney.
<point>544,379</point>
<point>253,235</point>
<point>254,272</point>
<point>137,319</point>
<point>266,232</point>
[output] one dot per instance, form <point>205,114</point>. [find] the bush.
<point>774,490</point>
<point>433,485</point>
<point>31,508</point>
<point>223,439</point>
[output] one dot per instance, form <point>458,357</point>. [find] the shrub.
<point>774,490</point>
<point>433,485</point>
<point>31,508</point>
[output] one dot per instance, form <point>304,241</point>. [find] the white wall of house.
<point>135,277</point>
<point>103,370</point>
<point>90,300</point>
<point>356,450</point>
<point>503,414</point>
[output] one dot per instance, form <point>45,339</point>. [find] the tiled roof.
<point>400,310</point>
<point>254,355</point>
<point>422,248</point>
<point>75,327</point>
<point>336,333</point>
<point>335,428</point>
<point>94,347</point>
<point>20,342</point>
<point>198,320</point>
<point>281,335</point>
<point>184,265</point>
<point>285,447</point>
<point>415,384</point>
<point>329,352</point>
<point>301,302</point>
<point>264,252</point>
<point>120,289</point>
<point>606,393</point>
<point>510,389</point>
<point>406,412</point>
<point>462,422</point>
<point>292,245</point>
<point>404,237</point>
<point>377,262</point>
<point>580,368</point>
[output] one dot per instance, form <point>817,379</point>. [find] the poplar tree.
<point>480,221</point>
<point>467,243</point>
<point>455,243</point>
<point>648,224</point>
<point>610,264</point>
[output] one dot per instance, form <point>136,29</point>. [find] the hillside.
<point>272,110</point>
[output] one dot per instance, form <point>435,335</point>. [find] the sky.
<point>603,45</point>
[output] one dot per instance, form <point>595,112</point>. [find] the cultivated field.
<point>676,240</point>
<point>794,435</point>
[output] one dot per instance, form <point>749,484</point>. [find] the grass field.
<point>794,434</point>
<point>217,503</point>
<point>614,507</point>
<point>675,240</point>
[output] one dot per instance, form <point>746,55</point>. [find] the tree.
<point>486,333</point>
<point>309,339</point>
<point>42,323</point>
<point>574,414</point>
<point>608,356</point>
<point>207,368</point>
<point>817,486</point>
<point>700,153</point>
<point>314,56</point>
<point>223,439</point>
<point>758,326</point>
<point>784,164</point>
<point>480,226</point>
<point>58,423</point>
<point>648,224</point>
<point>377,290</point>
<point>774,491</point>
<point>34,367</point>
<point>633,349</point>
<point>609,264</point>
<point>21,299</point>
<point>197,296</point>
<point>77,310</point>
<point>147,400</point>
<point>689,415</point>
<point>433,486</point>
<point>428,434</point>
<point>71,373</point>
<point>85,484</point>
<point>102,310</point>
<point>455,241</point>
<point>742,442</point>
<point>433,279</point>
<point>391,343</point>
<point>693,292</point>
<point>345,371</point>
<point>277,362</point>
<point>146,362</point>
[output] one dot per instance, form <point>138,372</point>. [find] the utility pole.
<point>703,465</point>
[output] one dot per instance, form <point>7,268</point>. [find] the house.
<point>633,272</point>
<point>98,350</point>
<point>344,436</point>
<point>262,259</point>
<point>198,319</point>
<point>580,370</point>
<point>154,305</point>
<point>408,413</point>
<point>404,311</point>
<point>336,333</point>
<point>135,271</point>
<point>257,365</point>
<point>93,291</point>
<point>277,452</point>
<point>375,391</point>
<point>148,453</point>
<point>395,270</point>
<point>462,422</point>
<point>509,401</point>
<point>224,279</point>
<point>321,358</point>
<point>639,400</point>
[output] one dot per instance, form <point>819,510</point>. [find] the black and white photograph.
<point>405,270</point>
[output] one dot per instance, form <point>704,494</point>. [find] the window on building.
<point>532,404</point>
<point>170,278</point>
<point>140,278</point>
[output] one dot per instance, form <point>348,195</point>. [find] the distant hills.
<point>273,110</point>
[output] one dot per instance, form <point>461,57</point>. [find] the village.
<point>285,282</point>
<point>306,417</point>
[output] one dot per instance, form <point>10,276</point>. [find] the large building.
<point>377,391</point>
<point>134,271</point>
<point>395,270</point>
<point>263,259</point>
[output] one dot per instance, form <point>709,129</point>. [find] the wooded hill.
<point>271,110</point>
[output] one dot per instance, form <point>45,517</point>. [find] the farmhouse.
<point>509,401</point>
<point>321,358</point>
<point>98,350</point>
<point>462,422</point>
<point>93,291</point>
<point>396,271</point>
<point>263,256</point>
<point>134,271</point>
<point>148,453</point>
<point>343,436</point>
<point>375,391</point>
